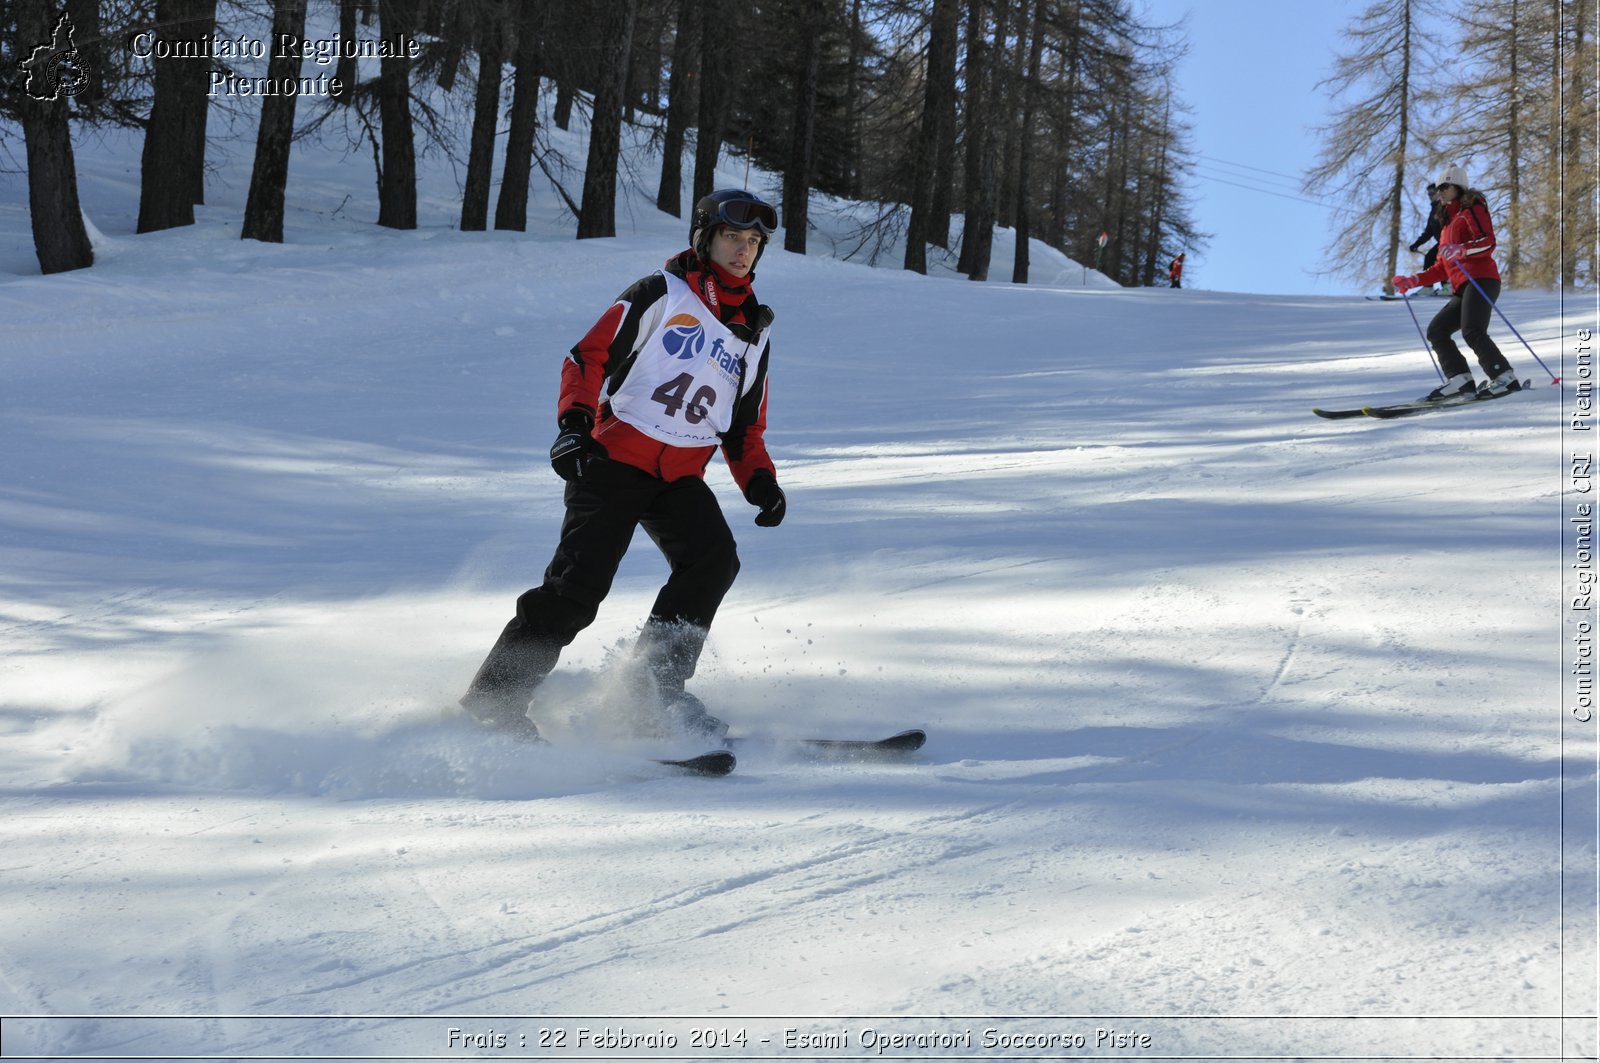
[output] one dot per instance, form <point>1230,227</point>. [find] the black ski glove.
<point>765,493</point>
<point>575,449</point>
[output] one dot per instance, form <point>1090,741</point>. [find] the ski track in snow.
<point>1233,711</point>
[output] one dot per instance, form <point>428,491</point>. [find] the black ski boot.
<point>670,650</point>
<point>504,720</point>
<point>499,694</point>
<point>687,715</point>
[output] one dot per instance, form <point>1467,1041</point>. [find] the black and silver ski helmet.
<point>733,207</point>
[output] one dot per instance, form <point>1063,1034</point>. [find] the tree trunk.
<point>397,188</point>
<point>714,20</point>
<point>1064,114</point>
<point>88,35</point>
<point>944,172</point>
<point>1578,177</point>
<point>565,94</point>
<point>685,58</point>
<point>1009,92</point>
<point>802,142</point>
<point>1116,198</point>
<point>1554,245</point>
<point>465,19</point>
<point>196,92</point>
<point>852,104</point>
<point>1023,207</point>
<point>263,209</point>
<point>1513,264</point>
<point>977,238</point>
<point>1392,261</point>
<point>641,89</point>
<point>485,120</point>
<point>566,31</point>
<point>172,168</point>
<point>937,94</point>
<point>1157,212</point>
<point>60,239</point>
<point>511,209</point>
<point>346,71</point>
<point>598,215</point>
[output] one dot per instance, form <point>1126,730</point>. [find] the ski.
<point>896,745</point>
<point>1411,409</point>
<point>1398,409</point>
<point>712,763</point>
<point>717,762</point>
<point>1406,409</point>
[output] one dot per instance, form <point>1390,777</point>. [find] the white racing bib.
<point>688,374</point>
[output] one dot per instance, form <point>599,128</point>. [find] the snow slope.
<point>1246,728</point>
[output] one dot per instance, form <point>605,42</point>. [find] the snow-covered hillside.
<point>1246,735</point>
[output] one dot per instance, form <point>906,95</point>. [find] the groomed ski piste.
<point>1245,727</point>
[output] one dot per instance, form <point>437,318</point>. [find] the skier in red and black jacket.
<point>675,369</point>
<point>1466,260</point>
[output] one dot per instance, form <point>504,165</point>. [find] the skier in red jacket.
<point>681,357</point>
<point>1466,255</point>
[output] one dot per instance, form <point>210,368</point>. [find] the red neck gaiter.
<point>720,290</point>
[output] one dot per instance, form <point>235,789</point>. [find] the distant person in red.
<point>675,369</point>
<point>1175,272</point>
<point>1466,260</point>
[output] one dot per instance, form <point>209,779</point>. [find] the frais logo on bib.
<point>684,337</point>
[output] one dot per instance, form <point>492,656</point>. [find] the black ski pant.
<point>1467,312</point>
<point>604,507</point>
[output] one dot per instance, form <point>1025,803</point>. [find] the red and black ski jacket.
<point>1468,225</point>
<point>602,359</point>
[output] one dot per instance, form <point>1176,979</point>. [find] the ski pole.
<point>1425,345</point>
<point>1553,378</point>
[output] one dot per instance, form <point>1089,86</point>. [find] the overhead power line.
<point>1264,191</point>
<point>1272,182</point>
<point>1244,166</point>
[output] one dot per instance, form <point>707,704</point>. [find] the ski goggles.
<point>748,213</point>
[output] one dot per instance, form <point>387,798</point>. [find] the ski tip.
<point>716,762</point>
<point>908,740</point>
<point>902,742</point>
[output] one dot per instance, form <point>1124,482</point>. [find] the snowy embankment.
<point>1245,725</point>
